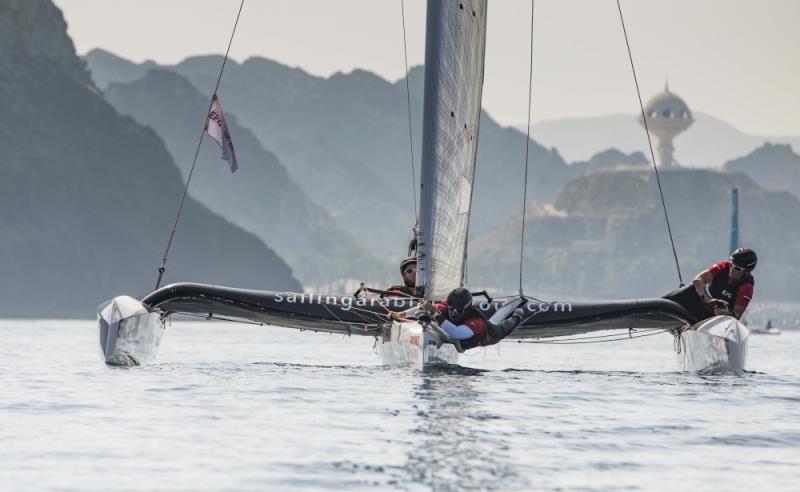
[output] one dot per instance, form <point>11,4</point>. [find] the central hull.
<point>409,344</point>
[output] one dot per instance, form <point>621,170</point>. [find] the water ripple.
<point>250,408</point>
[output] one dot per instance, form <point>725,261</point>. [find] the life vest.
<point>402,291</point>
<point>722,288</point>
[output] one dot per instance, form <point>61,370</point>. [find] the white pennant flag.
<point>218,130</point>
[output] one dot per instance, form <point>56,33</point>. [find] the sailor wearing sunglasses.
<point>724,288</point>
<point>730,281</point>
<point>408,269</point>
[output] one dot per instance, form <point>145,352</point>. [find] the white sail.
<point>454,58</point>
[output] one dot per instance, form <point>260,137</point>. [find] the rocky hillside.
<point>606,236</point>
<point>773,166</point>
<point>88,196</point>
<point>261,197</point>
<point>611,159</point>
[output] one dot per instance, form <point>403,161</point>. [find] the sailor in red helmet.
<point>464,323</point>
<point>724,288</point>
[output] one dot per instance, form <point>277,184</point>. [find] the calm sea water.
<point>237,407</point>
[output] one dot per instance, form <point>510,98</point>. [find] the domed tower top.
<point>667,116</point>
<point>668,106</point>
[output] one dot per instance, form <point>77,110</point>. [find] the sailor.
<point>730,287</point>
<point>464,323</point>
<point>408,270</point>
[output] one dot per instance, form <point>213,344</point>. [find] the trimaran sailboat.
<point>131,329</point>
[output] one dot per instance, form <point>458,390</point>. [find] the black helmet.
<point>459,300</point>
<point>406,262</point>
<point>744,258</point>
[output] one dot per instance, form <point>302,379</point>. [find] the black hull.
<point>347,315</point>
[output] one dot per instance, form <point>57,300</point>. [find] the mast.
<point>455,47</point>
<point>735,220</point>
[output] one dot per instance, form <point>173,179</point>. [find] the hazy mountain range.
<point>261,197</point>
<point>88,197</point>
<point>773,166</point>
<point>354,125</point>
<point>709,142</point>
<point>344,139</point>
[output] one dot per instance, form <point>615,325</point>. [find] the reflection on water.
<point>455,445</point>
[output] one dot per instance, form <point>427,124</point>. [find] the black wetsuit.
<point>687,297</point>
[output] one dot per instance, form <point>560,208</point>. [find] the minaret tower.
<point>667,116</point>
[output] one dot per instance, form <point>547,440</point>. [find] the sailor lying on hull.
<point>465,325</point>
<point>722,285</point>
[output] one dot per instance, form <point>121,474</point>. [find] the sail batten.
<point>454,60</point>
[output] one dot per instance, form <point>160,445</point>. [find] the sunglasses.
<point>738,268</point>
<point>455,311</point>
<point>409,270</point>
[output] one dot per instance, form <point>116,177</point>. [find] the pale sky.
<point>735,59</point>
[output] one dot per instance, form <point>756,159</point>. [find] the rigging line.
<point>527,150</point>
<point>616,335</point>
<point>378,318</point>
<point>218,318</point>
<point>379,304</point>
<point>579,342</point>
<point>162,268</point>
<point>408,102</point>
<point>650,144</point>
<point>350,326</point>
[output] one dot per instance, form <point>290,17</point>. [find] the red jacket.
<point>737,293</point>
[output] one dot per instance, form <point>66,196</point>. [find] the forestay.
<point>454,58</point>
